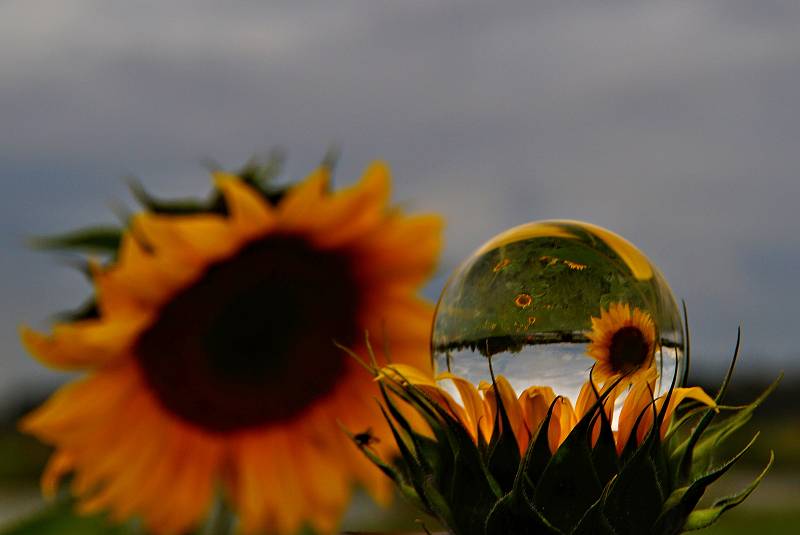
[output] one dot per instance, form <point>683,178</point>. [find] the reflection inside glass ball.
<point>546,301</point>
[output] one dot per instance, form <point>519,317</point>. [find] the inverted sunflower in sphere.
<point>211,363</point>
<point>623,342</point>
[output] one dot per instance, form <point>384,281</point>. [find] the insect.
<point>366,438</point>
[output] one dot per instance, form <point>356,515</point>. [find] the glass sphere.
<point>525,300</point>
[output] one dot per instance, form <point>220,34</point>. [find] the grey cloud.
<point>671,122</point>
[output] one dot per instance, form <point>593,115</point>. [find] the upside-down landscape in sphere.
<point>527,297</point>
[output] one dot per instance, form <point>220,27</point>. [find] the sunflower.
<point>211,363</point>
<point>623,341</point>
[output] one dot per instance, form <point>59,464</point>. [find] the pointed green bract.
<point>569,484</point>
<point>87,240</point>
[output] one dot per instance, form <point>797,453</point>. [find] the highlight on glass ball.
<point>547,302</point>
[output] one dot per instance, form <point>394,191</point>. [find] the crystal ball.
<point>525,302</point>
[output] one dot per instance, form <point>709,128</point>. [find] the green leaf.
<point>703,518</point>
<point>60,519</point>
<point>101,239</point>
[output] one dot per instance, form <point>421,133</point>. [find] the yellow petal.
<point>637,403</point>
<point>60,464</point>
<point>249,212</point>
<point>82,344</point>
<point>678,395</point>
<point>401,252</point>
<point>403,373</point>
<point>471,399</point>
<point>535,401</point>
<point>562,422</point>
<point>302,200</point>
<point>351,212</point>
<point>197,238</point>
<point>511,406</point>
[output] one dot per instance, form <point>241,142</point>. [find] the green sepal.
<point>594,522</point>
<point>100,239</point>
<point>261,175</point>
<point>503,458</point>
<point>686,451</point>
<point>463,480</point>
<point>87,310</point>
<point>604,452</point>
<point>702,518</point>
<point>384,467</point>
<point>682,502</point>
<point>637,483</point>
<point>215,203</point>
<point>515,514</point>
<point>538,453</point>
<point>406,426</point>
<point>416,476</point>
<point>569,484</point>
<point>439,505</point>
<point>718,432</point>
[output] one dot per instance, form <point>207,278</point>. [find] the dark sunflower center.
<point>628,350</point>
<point>251,342</point>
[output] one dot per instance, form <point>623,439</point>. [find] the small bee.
<point>366,438</point>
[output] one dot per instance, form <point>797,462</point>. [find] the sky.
<point>674,123</point>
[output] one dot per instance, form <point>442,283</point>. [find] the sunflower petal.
<point>302,200</point>
<point>351,212</point>
<point>82,344</point>
<point>535,402</point>
<point>248,210</point>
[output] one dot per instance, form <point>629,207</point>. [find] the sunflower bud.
<point>532,464</point>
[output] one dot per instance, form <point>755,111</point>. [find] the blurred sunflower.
<point>211,361</point>
<point>623,341</point>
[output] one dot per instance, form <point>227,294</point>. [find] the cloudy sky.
<point>675,123</point>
